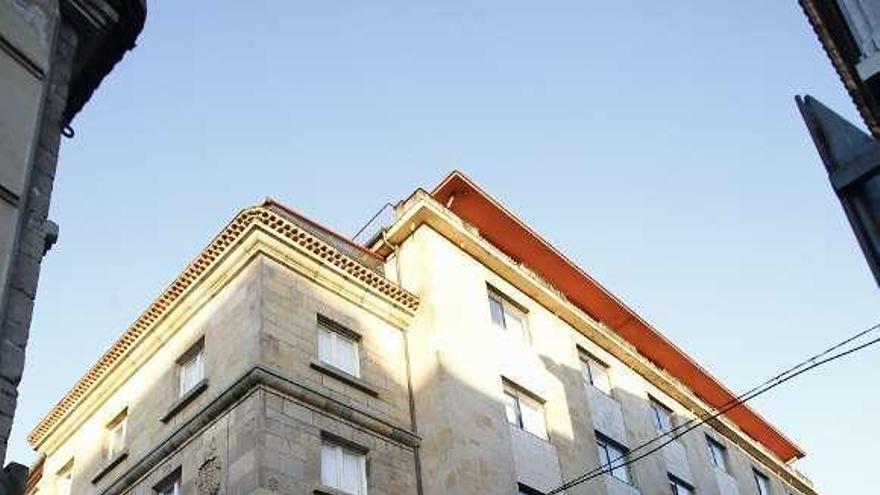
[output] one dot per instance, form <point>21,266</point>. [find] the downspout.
<point>417,459</point>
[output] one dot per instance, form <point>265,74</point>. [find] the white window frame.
<point>611,453</point>
<point>509,310</point>
<point>333,356</point>
<point>600,381</point>
<point>762,482</point>
<point>658,410</point>
<point>191,368</point>
<point>717,454</point>
<point>514,398</point>
<point>339,452</point>
<point>116,436</point>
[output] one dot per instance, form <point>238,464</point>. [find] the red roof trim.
<point>272,203</point>
<point>504,230</point>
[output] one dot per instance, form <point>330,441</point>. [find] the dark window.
<point>170,485</point>
<point>717,454</point>
<point>612,458</point>
<point>678,487</point>
<point>507,315</point>
<point>763,482</point>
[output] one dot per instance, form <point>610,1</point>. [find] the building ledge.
<point>110,465</point>
<point>326,490</point>
<point>182,402</point>
<point>344,377</point>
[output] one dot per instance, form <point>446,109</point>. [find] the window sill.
<point>327,490</point>
<point>182,402</point>
<point>344,377</point>
<point>109,466</point>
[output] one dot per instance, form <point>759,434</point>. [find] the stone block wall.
<point>289,345</point>
<point>290,450</point>
<point>228,328</point>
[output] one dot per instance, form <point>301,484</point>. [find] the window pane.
<point>763,484</point>
<point>717,454</point>
<point>352,475</point>
<point>325,346</point>
<point>346,355</point>
<point>533,416</point>
<point>662,417</point>
<point>515,321</point>
<point>617,458</point>
<point>191,371</point>
<point>603,454</point>
<point>329,465</point>
<point>599,375</point>
<point>585,371</point>
<point>115,439</point>
<point>65,484</point>
<point>497,311</point>
<point>510,408</point>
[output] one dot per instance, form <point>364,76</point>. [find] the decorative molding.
<point>256,378</point>
<point>209,476</point>
<point>197,390</point>
<point>109,466</point>
<point>19,56</point>
<point>257,217</point>
<point>344,377</point>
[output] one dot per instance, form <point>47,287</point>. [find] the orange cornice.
<point>509,234</point>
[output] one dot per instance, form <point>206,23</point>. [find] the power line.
<point>792,372</point>
<point>785,376</point>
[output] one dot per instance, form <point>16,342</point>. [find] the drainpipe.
<point>412,404</point>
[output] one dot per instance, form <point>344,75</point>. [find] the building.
<point>849,32</point>
<point>456,353</point>
<point>53,55</point>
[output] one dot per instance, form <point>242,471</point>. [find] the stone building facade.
<point>442,357</point>
<point>53,55</point>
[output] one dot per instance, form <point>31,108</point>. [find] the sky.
<point>656,143</point>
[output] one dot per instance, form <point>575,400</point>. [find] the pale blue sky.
<point>668,128</point>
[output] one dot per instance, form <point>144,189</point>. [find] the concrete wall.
<point>458,361</point>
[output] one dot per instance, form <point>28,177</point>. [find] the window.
<point>191,368</point>
<point>170,485</point>
<point>678,487</point>
<point>524,412</point>
<point>115,436</point>
<point>343,468</point>
<point>523,489</point>
<point>611,454</point>
<point>595,373</point>
<point>507,315</point>
<point>65,479</point>
<point>338,347</point>
<point>662,417</point>
<point>717,454</point>
<point>763,482</point>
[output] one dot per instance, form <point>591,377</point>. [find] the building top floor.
<point>345,307</point>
